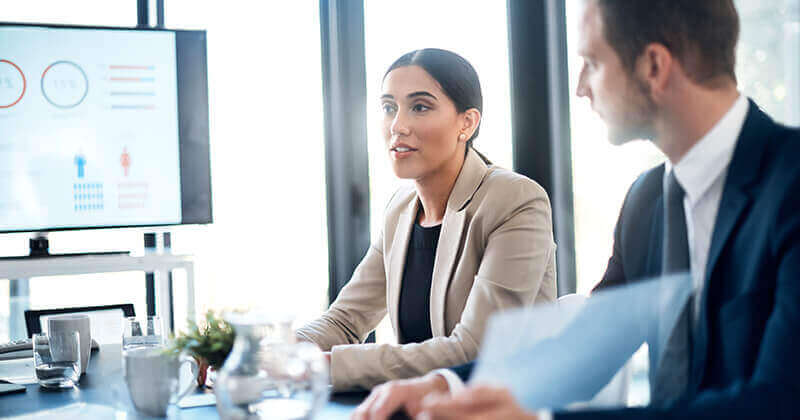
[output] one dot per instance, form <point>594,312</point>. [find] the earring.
<point>462,136</point>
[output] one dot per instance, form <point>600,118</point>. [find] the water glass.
<point>57,359</point>
<point>148,333</point>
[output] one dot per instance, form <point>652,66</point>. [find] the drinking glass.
<point>57,359</point>
<point>147,333</point>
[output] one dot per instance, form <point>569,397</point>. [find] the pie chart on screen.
<point>64,84</point>
<point>12,84</point>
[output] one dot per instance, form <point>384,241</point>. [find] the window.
<point>767,64</point>
<point>475,29</point>
<point>84,12</point>
<point>267,247</point>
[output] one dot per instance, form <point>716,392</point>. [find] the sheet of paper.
<point>18,371</point>
<point>554,355</point>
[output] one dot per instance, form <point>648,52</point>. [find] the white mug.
<point>66,324</point>
<point>152,378</point>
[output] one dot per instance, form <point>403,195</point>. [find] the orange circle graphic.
<point>24,84</point>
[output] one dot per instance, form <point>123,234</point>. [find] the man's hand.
<point>400,395</point>
<point>472,403</point>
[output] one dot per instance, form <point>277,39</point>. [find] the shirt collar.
<point>710,156</point>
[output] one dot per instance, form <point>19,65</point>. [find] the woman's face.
<point>421,125</point>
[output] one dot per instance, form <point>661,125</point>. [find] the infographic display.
<point>88,128</point>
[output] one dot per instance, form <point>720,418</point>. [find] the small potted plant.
<point>209,343</point>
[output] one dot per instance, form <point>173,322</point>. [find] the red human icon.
<point>125,160</point>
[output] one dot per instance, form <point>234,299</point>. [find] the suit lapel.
<point>447,251</point>
<point>743,172</point>
<point>405,224</point>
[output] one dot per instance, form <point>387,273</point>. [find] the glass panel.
<point>268,244</point>
<point>475,29</point>
<point>767,65</point>
<point>84,12</point>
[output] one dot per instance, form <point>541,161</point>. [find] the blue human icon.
<point>80,162</point>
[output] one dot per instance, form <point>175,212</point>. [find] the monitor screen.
<point>102,127</point>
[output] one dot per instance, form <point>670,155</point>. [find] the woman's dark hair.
<point>456,76</point>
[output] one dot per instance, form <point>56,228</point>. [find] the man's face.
<point>622,100</point>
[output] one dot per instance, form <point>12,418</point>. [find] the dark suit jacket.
<point>746,349</point>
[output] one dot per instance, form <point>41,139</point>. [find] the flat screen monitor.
<point>102,127</point>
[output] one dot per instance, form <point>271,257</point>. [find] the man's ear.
<point>654,67</point>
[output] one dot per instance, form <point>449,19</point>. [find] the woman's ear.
<point>470,122</point>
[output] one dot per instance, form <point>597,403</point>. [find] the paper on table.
<point>553,355</point>
<point>18,371</point>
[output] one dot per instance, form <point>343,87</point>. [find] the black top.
<point>415,294</point>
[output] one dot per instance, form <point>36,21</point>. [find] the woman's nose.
<point>399,125</point>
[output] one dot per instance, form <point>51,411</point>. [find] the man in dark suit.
<point>725,207</point>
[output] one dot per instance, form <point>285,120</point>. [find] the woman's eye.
<point>420,108</point>
<point>388,108</point>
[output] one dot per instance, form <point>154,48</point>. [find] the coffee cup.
<point>152,377</point>
<point>66,324</point>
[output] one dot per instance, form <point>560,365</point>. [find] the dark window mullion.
<point>346,158</point>
<point>540,115</point>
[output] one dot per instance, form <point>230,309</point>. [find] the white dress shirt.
<point>701,173</point>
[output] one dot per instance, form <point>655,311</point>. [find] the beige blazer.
<point>495,251</point>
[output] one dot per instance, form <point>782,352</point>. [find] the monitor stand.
<point>40,248</point>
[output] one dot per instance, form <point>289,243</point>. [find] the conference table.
<point>102,393</point>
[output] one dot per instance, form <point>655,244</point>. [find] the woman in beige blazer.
<point>495,245</point>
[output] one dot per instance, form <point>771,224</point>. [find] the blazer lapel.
<point>449,247</point>
<point>446,252</point>
<point>743,171</point>
<point>398,258</point>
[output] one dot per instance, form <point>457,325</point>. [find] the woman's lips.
<point>401,152</point>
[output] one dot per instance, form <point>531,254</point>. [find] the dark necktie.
<point>671,376</point>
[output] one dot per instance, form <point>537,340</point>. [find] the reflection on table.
<point>102,394</point>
